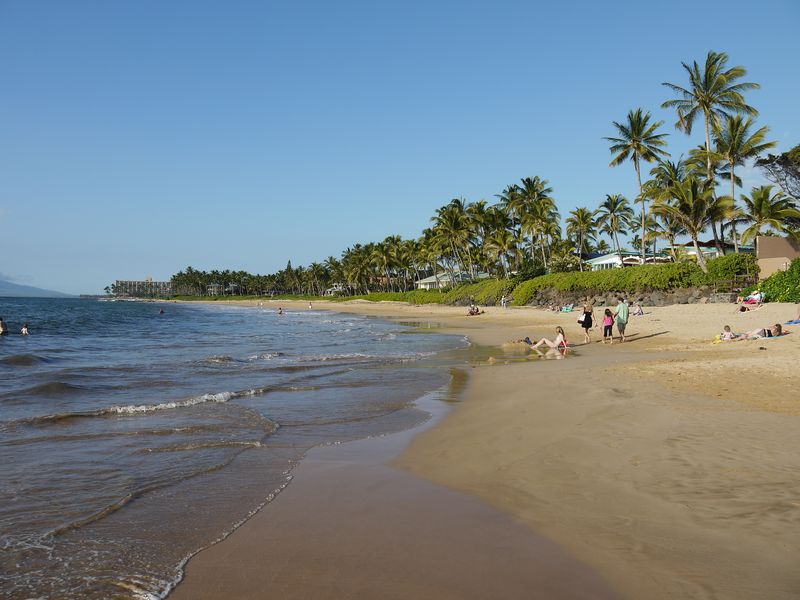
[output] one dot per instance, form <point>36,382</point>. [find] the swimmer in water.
<point>24,330</point>
<point>280,311</point>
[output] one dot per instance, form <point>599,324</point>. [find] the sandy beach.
<point>664,467</point>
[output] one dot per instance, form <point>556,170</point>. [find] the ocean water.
<point>130,439</point>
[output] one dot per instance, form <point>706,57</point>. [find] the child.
<point>727,335</point>
<point>608,326</point>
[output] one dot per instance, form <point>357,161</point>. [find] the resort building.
<point>775,253</point>
<point>617,260</point>
<point>142,289</point>
<point>710,250</point>
<point>442,280</point>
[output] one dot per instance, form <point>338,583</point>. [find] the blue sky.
<point>137,138</point>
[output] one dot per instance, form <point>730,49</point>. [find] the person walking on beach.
<point>3,327</point>
<point>586,321</point>
<point>608,326</point>
<point>621,317</point>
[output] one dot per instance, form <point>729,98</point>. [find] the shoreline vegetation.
<point>667,463</point>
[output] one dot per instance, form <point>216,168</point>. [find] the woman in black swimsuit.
<point>587,321</point>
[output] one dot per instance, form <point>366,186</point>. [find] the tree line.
<point>521,232</point>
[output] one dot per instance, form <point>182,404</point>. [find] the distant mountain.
<point>27,291</point>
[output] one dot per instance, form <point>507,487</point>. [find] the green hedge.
<point>484,292</point>
<point>643,278</point>
<point>726,268</point>
<point>783,286</point>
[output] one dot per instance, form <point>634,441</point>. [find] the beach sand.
<point>666,464</point>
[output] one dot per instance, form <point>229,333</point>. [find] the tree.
<point>765,210</point>
<point>694,202</point>
<point>581,227</point>
<point>714,90</point>
<point>735,144</point>
<point>638,141</point>
<point>783,170</point>
<point>615,217</point>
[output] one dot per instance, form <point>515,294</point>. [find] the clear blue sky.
<point>139,137</point>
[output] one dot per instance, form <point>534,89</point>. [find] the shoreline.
<point>642,465</point>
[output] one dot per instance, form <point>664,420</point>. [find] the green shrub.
<point>783,286</point>
<point>631,279</point>
<point>485,292</point>
<point>726,268</point>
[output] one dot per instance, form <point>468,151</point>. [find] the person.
<point>621,317</point>
<point>608,326</point>
<point>161,312</point>
<point>474,310</point>
<point>504,301</point>
<point>753,298</point>
<point>3,327</point>
<point>309,306</point>
<point>727,335</point>
<point>774,331</point>
<point>24,330</point>
<point>638,311</point>
<point>586,321</point>
<point>280,310</point>
<point>561,340</point>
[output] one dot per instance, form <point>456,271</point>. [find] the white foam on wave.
<point>145,408</point>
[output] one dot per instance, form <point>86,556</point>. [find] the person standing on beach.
<point>586,321</point>
<point>621,317</point>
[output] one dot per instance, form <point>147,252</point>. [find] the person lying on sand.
<point>753,298</point>
<point>774,331</point>
<point>561,340</point>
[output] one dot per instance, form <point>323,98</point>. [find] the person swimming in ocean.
<point>24,330</point>
<point>280,310</point>
<point>3,327</point>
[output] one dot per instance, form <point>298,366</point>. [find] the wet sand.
<point>351,526</point>
<point>667,464</point>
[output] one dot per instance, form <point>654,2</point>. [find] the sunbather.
<point>560,341</point>
<point>774,331</point>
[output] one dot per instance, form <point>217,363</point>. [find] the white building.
<point>442,280</point>
<point>617,260</point>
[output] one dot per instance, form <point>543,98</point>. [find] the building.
<point>442,280</point>
<point>775,253</point>
<point>142,289</point>
<point>710,250</point>
<point>337,289</point>
<point>617,260</point>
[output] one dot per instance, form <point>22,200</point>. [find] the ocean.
<point>132,439</point>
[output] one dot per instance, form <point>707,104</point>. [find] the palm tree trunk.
<point>733,217</point>
<point>701,260</point>
<point>641,197</point>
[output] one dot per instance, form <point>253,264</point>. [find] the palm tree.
<point>735,144</point>
<point>501,245</point>
<point>765,210</point>
<point>714,91</point>
<point>581,225</point>
<point>694,205</point>
<point>615,216</point>
<point>638,142</point>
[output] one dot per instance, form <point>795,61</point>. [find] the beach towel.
<point>795,322</point>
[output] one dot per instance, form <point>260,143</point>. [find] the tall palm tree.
<point>581,227</point>
<point>734,143</point>
<point>765,210</point>
<point>715,91</point>
<point>501,246</point>
<point>615,216</point>
<point>638,141</point>
<point>692,208</point>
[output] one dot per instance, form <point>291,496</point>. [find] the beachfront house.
<point>442,280</point>
<point>710,250</point>
<point>617,260</point>
<point>775,253</point>
<point>336,289</point>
